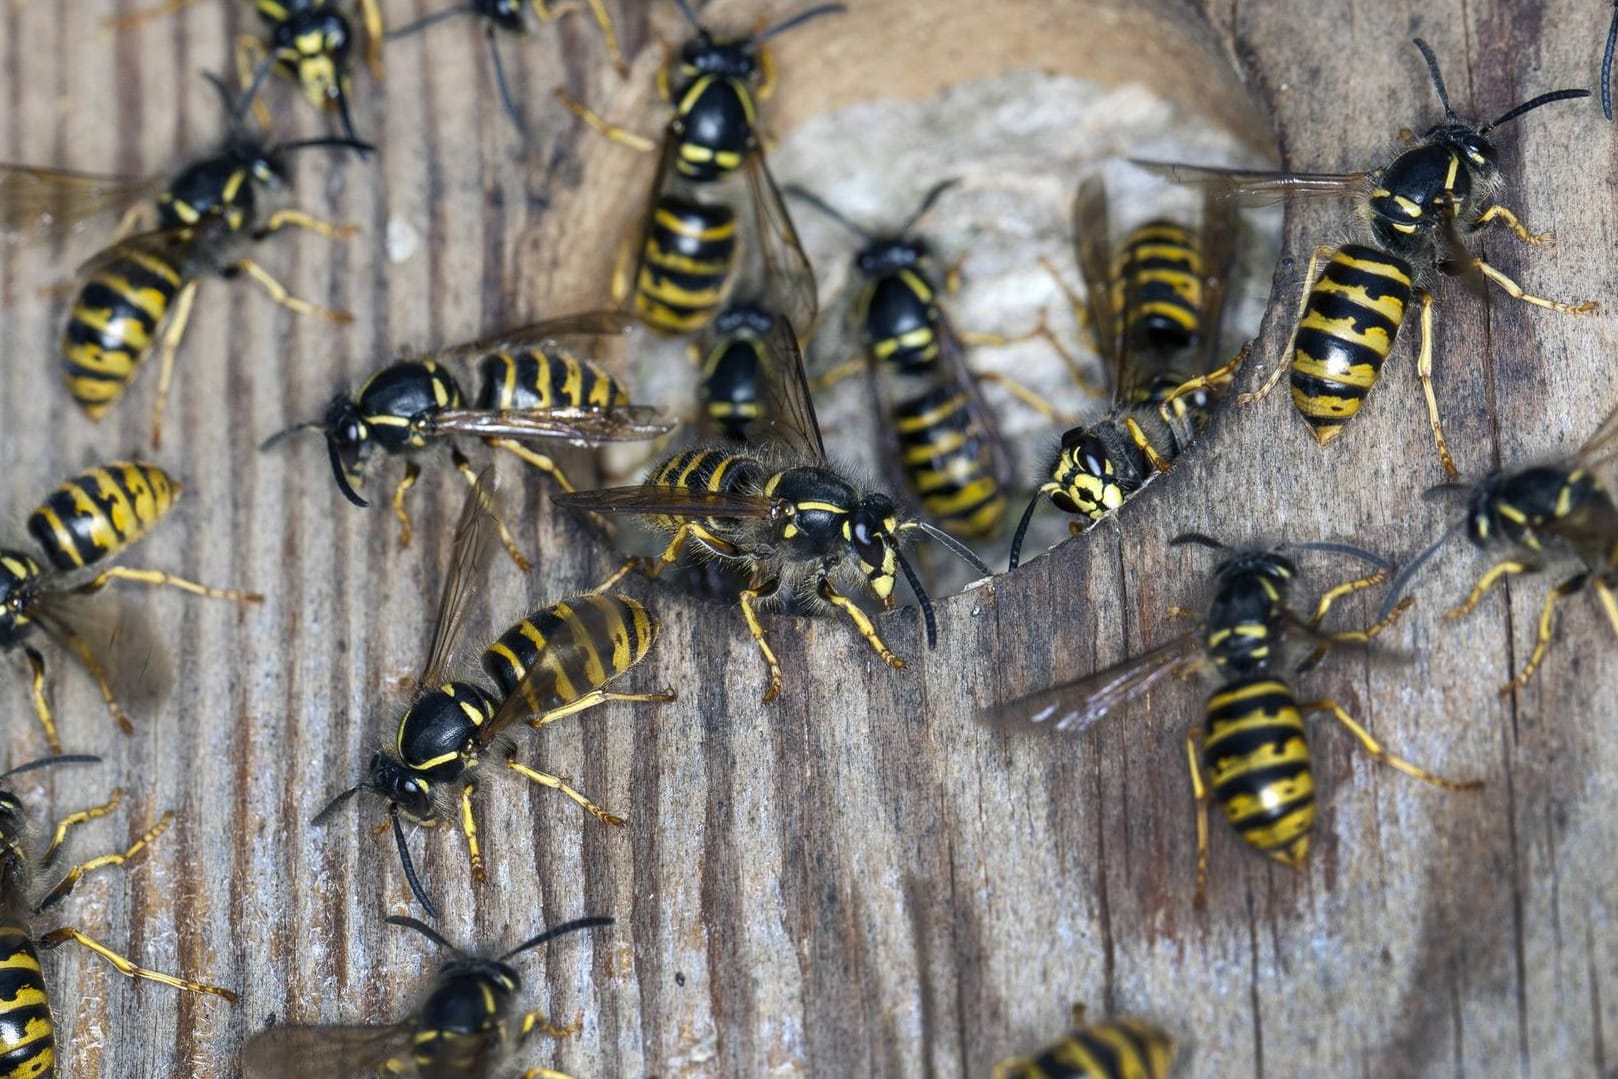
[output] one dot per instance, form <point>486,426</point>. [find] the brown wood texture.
<point>856,879</point>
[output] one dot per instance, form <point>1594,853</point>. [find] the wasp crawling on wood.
<point>1162,294</point>
<point>27,1027</point>
<point>555,663</point>
<point>532,389</point>
<point>1254,755</point>
<point>1412,215</point>
<point>1122,1048</point>
<point>87,519</point>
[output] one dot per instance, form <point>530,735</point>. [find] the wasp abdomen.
<point>1115,1049</point>
<point>101,511</point>
<point>690,250</point>
<point>577,645</point>
<point>530,379</point>
<point>114,322</point>
<point>1157,276</point>
<point>27,1034</point>
<point>1257,761</point>
<point>945,452</point>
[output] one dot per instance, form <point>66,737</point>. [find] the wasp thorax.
<point>18,572</point>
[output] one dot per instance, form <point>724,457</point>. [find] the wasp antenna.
<point>281,436</point>
<point>508,102</point>
<point>409,866</point>
<point>803,194</point>
<point>922,601</point>
<point>341,473</point>
<point>690,15</point>
<point>1531,105</point>
<point>336,803</point>
<point>1438,79</point>
<point>794,21</point>
<point>1347,549</point>
<point>358,146</point>
<point>555,931</point>
<point>48,762</point>
<point>954,547</point>
<point>1022,530</point>
<point>1201,539</point>
<point>425,930</point>
<point>427,20</point>
<point>1402,579</point>
<point>934,193</point>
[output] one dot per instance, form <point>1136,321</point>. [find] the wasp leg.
<point>76,645</point>
<point>278,293</point>
<point>469,828</point>
<point>545,779</point>
<point>1217,379</point>
<point>464,466</point>
<point>621,135</point>
<point>533,1021</point>
<point>168,351</point>
<point>75,819</point>
<point>61,936</point>
<point>1500,213</point>
<point>1486,582</point>
<point>1199,791</point>
<point>159,579</point>
<point>297,219</point>
<point>130,20</point>
<point>1542,641</point>
<point>537,460</point>
<point>830,378</point>
<point>691,530</point>
<point>551,10</point>
<point>1374,748</point>
<point>1144,444</point>
<point>42,706</point>
<point>1424,372</point>
<point>1515,291</point>
<point>593,698</point>
<point>408,480</point>
<point>371,16</point>
<point>1075,371</point>
<point>71,878</point>
<point>1284,364</point>
<point>1356,636</point>
<point>1604,592</point>
<point>861,622</point>
<point>1347,588</point>
<point>766,72</point>
<point>749,597</point>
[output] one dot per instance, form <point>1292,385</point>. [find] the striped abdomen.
<point>1116,1049</point>
<point>27,1035</point>
<point>949,459</point>
<point>122,302</point>
<point>711,471</point>
<point>559,379</point>
<point>688,254</point>
<point>570,648</point>
<point>101,511</point>
<point>1350,321</point>
<point>1256,761</point>
<point>1157,276</point>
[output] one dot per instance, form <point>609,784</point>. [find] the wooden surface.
<point>857,879</point>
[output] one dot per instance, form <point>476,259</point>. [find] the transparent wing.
<point>50,202</point>
<point>1252,187</point>
<point>1603,444</point>
<point>1092,241</point>
<point>1219,231</point>
<point>789,281</point>
<point>158,241</point>
<point>789,409</point>
<point>476,536</point>
<point>538,336</point>
<point>665,178</point>
<point>1076,705</point>
<point>666,501</point>
<point>111,632</point>
<point>580,426</point>
<point>332,1052</point>
<point>952,357</point>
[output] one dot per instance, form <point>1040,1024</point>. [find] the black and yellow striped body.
<point>27,1033</point>
<point>1157,284</point>
<point>1256,760</point>
<point>122,303</point>
<point>21,579</point>
<point>461,1028</point>
<point>1097,468</point>
<point>551,379</point>
<point>100,511</point>
<point>1350,321</point>
<point>220,188</point>
<point>574,647</point>
<point>1544,503</point>
<point>710,471</point>
<point>1115,1049</point>
<point>946,454</point>
<point>311,41</point>
<point>437,732</point>
<point>734,370</point>
<point>396,402</point>
<point>896,309</point>
<point>687,257</point>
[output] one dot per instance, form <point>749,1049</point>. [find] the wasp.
<point>89,518</point>
<point>510,17</point>
<point>555,663</point>
<point>798,528</point>
<point>688,248</point>
<point>138,293</point>
<point>1539,511</point>
<point>310,42</point>
<point>531,388</point>
<point>27,1028</point>
<point>1160,295</point>
<point>1411,217</point>
<point>466,1027</point>
<point>1122,1048</point>
<point>1254,755</point>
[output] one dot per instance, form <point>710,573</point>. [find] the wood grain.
<point>857,879</point>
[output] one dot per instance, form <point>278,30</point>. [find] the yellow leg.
<point>1217,379</point>
<point>1500,213</point>
<point>279,294</point>
<point>179,317</point>
<point>1374,748</point>
<point>1542,641</point>
<point>75,819</point>
<point>1144,444</point>
<point>125,967</point>
<point>158,579</point>
<point>465,468</point>
<point>1515,291</point>
<point>371,16</point>
<point>72,877</point>
<point>537,460</point>
<point>297,219</point>
<point>832,377</point>
<point>545,779</point>
<point>766,70</point>
<point>133,220</point>
<point>1608,603</point>
<point>533,1021</point>
<point>1356,636</point>
<point>92,665</point>
<point>407,481</point>
<point>749,597</point>
<point>1199,791</point>
<point>550,10</point>
<point>861,622</point>
<point>1285,360</point>
<point>1486,582</point>
<point>42,706</point>
<point>536,1072</point>
<point>621,135</point>
<point>1347,588</point>
<point>146,14</point>
<point>691,530</point>
<point>1424,372</point>
<point>1025,395</point>
<point>1075,371</point>
<point>469,828</point>
<point>593,698</point>
<point>623,269</point>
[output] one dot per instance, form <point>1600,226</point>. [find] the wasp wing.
<point>1603,444</point>
<point>51,202</point>
<point>540,336</point>
<point>1092,242</point>
<point>789,281</point>
<point>653,499</point>
<point>109,634</point>
<point>789,408</point>
<point>1219,231</point>
<point>476,536</point>
<point>1076,705</point>
<point>330,1052</point>
<point>580,426</point>
<point>952,358</point>
<point>1253,187</point>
